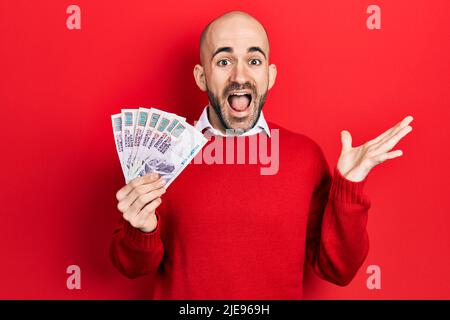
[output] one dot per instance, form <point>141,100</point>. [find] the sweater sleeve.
<point>337,241</point>
<point>135,253</point>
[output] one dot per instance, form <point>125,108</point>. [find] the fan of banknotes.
<point>152,140</point>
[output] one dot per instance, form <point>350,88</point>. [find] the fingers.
<point>139,191</point>
<point>346,140</point>
<point>392,131</point>
<point>403,124</point>
<point>142,201</point>
<point>387,155</point>
<point>141,219</point>
<point>123,192</point>
<point>392,141</point>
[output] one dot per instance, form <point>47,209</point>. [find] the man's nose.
<point>239,73</point>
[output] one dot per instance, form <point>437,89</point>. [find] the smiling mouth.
<point>239,101</point>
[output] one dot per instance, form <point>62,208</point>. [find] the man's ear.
<point>199,75</point>
<point>272,75</point>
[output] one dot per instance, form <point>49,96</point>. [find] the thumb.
<point>346,140</point>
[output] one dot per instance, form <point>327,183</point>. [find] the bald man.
<point>226,231</point>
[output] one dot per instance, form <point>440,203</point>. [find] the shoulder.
<point>299,141</point>
<point>301,152</point>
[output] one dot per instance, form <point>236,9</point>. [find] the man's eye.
<point>255,62</point>
<point>223,62</point>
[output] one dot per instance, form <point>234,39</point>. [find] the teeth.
<point>239,94</point>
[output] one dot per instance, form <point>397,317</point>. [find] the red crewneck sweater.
<point>227,232</point>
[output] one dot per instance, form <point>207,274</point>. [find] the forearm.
<point>343,244</point>
<point>135,253</point>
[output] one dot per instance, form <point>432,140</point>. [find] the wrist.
<point>151,224</point>
<point>357,174</point>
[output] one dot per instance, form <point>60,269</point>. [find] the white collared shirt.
<point>203,123</point>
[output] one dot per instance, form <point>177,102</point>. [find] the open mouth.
<point>239,101</point>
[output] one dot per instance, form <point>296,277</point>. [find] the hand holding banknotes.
<point>154,147</point>
<point>138,200</point>
<point>152,140</point>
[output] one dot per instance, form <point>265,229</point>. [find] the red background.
<point>59,167</point>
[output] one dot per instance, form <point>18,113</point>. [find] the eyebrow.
<point>257,49</point>
<point>222,49</point>
<point>230,50</point>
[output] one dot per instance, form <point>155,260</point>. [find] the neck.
<point>214,120</point>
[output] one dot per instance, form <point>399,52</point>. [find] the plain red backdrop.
<point>59,167</point>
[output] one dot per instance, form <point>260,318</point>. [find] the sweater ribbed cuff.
<point>144,240</point>
<point>347,191</point>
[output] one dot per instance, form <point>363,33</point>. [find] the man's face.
<point>236,71</point>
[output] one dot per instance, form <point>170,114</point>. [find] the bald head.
<point>228,27</point>
<point>234,70</point>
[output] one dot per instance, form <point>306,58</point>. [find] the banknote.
<point>128,126</point>
<point>173,151</point>
<point>158,121</point>
<point>141,123</point>
<point>117,130</point>
<point>152,140</point>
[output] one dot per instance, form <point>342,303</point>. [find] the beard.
<point>221,106</point>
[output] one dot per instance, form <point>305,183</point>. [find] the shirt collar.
<point>203,123</point>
